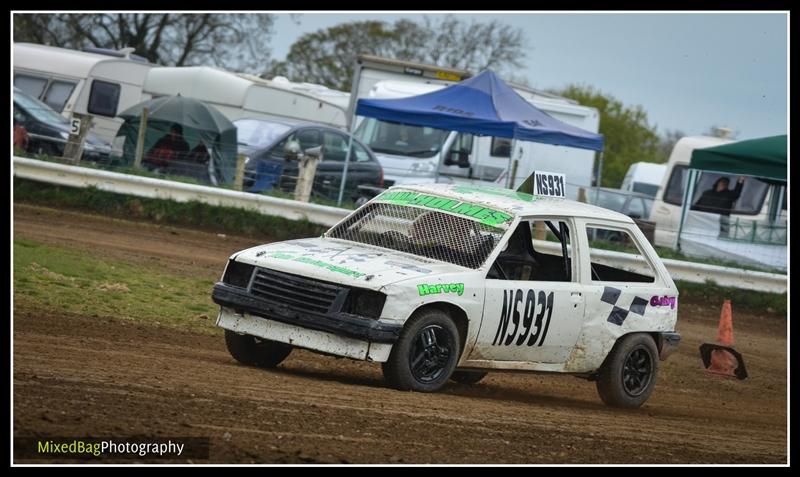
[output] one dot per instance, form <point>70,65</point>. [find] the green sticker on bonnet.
<point>484,215</point>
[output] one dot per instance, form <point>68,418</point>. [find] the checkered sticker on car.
<point>618,314</point>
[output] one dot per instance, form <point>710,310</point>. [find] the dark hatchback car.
<point>48,131</point>
<point>264,142</point>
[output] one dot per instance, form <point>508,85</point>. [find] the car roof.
<point>517,203</point>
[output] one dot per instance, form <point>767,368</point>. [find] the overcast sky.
<point>689,71</point>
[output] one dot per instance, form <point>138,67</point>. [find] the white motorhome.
<point>644,177</point>
<point>71,81</point>
<point>427,155</point>
<point>757,202</point>
<point>239,95</point>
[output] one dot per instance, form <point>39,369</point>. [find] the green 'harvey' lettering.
<point>435,289</point>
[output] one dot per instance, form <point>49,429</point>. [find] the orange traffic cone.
<point>720,358</point>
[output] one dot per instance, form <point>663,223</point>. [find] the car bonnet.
<point>343,262</point>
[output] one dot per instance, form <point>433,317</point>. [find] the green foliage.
<point>78,282</point>
<point>710,292</point>
<point>629,138</point>
<point>328,56</point>
<point>193,214</point>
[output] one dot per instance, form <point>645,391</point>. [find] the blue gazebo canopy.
<point>484,105</point>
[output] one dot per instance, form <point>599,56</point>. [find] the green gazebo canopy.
<point>764,158</point>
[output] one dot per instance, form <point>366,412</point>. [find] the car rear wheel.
<point>468,377</point>
<point>628,375</point>
<point>254,351</point>
<point>425,355</point>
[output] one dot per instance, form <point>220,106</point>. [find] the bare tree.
<point>327,56</point>
<point>233,41</point>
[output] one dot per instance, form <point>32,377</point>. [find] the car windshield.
<point>400,139</point>
<point>419,231</point>
<point>258,133</point>
<point>38,109</point>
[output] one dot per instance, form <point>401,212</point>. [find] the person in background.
<point>719,200</point>
<point>172,147</point>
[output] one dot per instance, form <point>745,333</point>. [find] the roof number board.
<point>549,184</point>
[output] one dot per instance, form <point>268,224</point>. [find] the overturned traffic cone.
<point>720,358</point>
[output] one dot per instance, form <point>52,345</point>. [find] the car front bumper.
<point>337,323</point>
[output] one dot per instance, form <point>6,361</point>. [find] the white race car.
<point>441,282</point>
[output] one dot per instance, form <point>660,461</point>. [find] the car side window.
<point>335,148</point>
<point>537,250</point>
<point>636,208</point>
<point>616,239</point>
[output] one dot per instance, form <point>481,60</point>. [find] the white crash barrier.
<point>75,176</point>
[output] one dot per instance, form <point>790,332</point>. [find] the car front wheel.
<point>253,351</point>
<point>628,375</point>
<point>426,353</point>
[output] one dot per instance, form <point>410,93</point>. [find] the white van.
<point>757,202</point>
<point>239,95</point>
<point>644,177</point>
<point>416,155</point>
<point>71,81</point>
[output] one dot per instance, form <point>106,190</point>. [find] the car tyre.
<point>468,377</point>
<point>254,351</point>
<point>425,355</point>
<point>628,375</point>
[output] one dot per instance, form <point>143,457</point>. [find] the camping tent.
<point>483,105</point>
<point>763,158</point>
<point>201,123</point>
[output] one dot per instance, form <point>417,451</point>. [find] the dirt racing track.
<point>85,376</point>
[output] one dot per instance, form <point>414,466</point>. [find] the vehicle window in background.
<point>335,148</point>
<point>309,138</point>
<point>38,109</point>
<point>57,94</point>
<point>33,85</point>
<point>501,147</point>
<point>259,134</point>
<point>645,188</point>
<point>648,206</point>
<point>677,180</point>
<point>400,139</point>
<point>749,203</point>
<point>751,199</point>
<point>104,98</point>
<point>610,200</point>
<point>636,208</point>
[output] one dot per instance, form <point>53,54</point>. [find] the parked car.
<point>48,131</point>
<point>441,282</point>
<point>635,205</point>
<point>264,143</point>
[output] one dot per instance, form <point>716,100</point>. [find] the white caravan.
<point>644,177</point>
<point>427,155</point>
<point>757,202</point>
<point>71,81</point>
<point>239,95</point>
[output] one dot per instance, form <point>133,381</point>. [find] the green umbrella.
<point>201,122</point>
